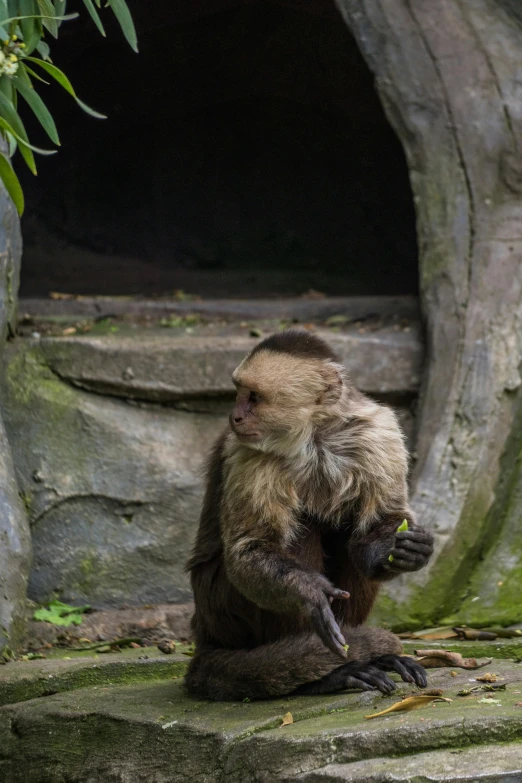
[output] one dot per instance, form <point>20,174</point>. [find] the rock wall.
<point>110,433</point>
<point>14,534</point>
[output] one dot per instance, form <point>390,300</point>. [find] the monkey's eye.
<point>253,397</point>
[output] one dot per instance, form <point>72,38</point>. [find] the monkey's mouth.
<point>244,435</point>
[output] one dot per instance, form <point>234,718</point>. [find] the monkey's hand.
<point>411,551</point>
<point>319,595</point>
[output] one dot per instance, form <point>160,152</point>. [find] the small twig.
<point>112,643</point>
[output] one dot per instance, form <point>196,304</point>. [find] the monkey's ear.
<point>333,377</point>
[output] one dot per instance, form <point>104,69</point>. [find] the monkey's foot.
<point>410,670</point>
<point>362,676</point>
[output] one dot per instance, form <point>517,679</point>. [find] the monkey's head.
<point>288,384</point>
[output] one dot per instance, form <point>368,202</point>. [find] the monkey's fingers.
<point>414,546</point>
<point>416,534</point>
<point>334,593</point>
<point>409,670</point>
<point>324,624</point>
<point>404,564</point>
<point>354,682</point>
<point>407,559</point>
<point>377,678</point>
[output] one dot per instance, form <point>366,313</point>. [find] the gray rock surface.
<point>163,367</point>
<point>113,490</point>
<point>15,551</point>
<point>112,479</point>
<point>300,308</point>
<point>487,764</point>
<point>15,545</point>
<point>152,731</point>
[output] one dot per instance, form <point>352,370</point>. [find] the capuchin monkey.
<point>305,491</point>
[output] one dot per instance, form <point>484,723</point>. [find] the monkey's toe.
<point>409,670</point>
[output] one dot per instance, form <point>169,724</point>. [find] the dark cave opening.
<point>245,154</point>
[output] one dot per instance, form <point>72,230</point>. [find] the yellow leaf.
<point>287,719</point>
<point>411,703</point>
<point>487,678</point>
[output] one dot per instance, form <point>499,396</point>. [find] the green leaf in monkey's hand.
<point>402,527</point>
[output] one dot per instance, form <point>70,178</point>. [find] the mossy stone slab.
<point>156,733</point>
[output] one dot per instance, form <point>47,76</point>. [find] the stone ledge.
<point>354,307</point>
<point>24,680</point>
<point>161,367</point>
<point>154,732</point>
<point>502,763</point>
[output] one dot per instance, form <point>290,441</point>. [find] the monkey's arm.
<point>260,570</point>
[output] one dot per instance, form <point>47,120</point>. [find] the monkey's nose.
<point>238,419</point>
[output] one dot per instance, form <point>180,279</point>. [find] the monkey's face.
<point>280,398</point>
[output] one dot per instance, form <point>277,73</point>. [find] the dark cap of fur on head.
<point>297,342</point>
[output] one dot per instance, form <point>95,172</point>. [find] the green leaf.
<point>94,15</point>
<point>61,614</point>
<point>43,49</point>
<point>11,183</point>
<point>48,11</point>
<point>60,8</point>
<point>39,17</point>
<point>6,86</point>
<point>13,144</point>
<point>34,74</point>
<point>9,113</point>
<point>123,15</point>
<point>30,32</point>
<point>42,113</point>
<point>5,126</point>
<point>62,80</point>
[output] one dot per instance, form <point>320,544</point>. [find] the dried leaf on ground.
<point>488,677</point>
<point>433,659</point>
<point>505,633</point>
<point>287,719</point>
<point>406,705</point>
<point>485,700</point>
<point>475,634</point>
<point>440,633</point>
<point>439,636</point>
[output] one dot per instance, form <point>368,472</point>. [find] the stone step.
<point>24,680</point>
<point>162,366</point>
<point>488,763</point>
<point>155,733</point>
<point>300,308</point>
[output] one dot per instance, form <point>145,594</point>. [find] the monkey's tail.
<point>280,667</point>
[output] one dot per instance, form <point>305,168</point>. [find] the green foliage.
<point>24,26</point>
<point>61,614</point>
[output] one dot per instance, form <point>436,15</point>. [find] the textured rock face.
<point>15,547</point>
<point>113,490</point>
<point>110,433</point>
<point>110,722</point>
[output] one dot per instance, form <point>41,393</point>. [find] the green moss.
<point>28,373</point>
<point>510,649</point>
<point>27,500</point>
<point>93,674</point>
